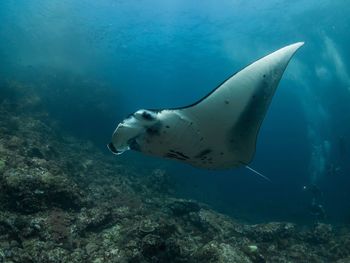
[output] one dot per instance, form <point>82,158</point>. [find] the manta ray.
<point>217,132</point>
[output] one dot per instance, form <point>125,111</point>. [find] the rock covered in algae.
<point>270,231</point>
<point>148,226</point>
<point>2,165</point>
<point>33,190</point>
<point>320,233</point>
<point>220,253</point>
<point>181,207</point>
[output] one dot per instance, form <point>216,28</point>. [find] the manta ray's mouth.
<point>111,147</point>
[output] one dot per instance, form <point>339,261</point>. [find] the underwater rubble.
<point>63,200</point>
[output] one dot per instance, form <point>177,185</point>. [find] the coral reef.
<point>63,200</point>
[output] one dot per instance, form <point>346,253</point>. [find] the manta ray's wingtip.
<point>282,56</point>
<point>300,43</point>
<point>295,46</point>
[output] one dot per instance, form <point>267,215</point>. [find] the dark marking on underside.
<point>147,116</point>
<point>174,156</point>
<point>153,130</point>
<point>179,154</point>
<point>202,154</point>
<point>243,133</point>
<point>134,145</point>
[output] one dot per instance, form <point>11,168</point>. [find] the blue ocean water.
<point>94,62</point>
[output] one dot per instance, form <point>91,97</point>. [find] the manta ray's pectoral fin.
<point>230,116</point>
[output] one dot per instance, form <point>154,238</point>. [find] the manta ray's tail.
<point>259,174</point>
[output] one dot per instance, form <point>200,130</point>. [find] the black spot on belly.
<point>174,156</point>
<point>147,116</point>
<point>180,154</point>
<point>203,154</point>
<point>153,130</point>
<point>134,145</point>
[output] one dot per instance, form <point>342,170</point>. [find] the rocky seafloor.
<point>63,200</point>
